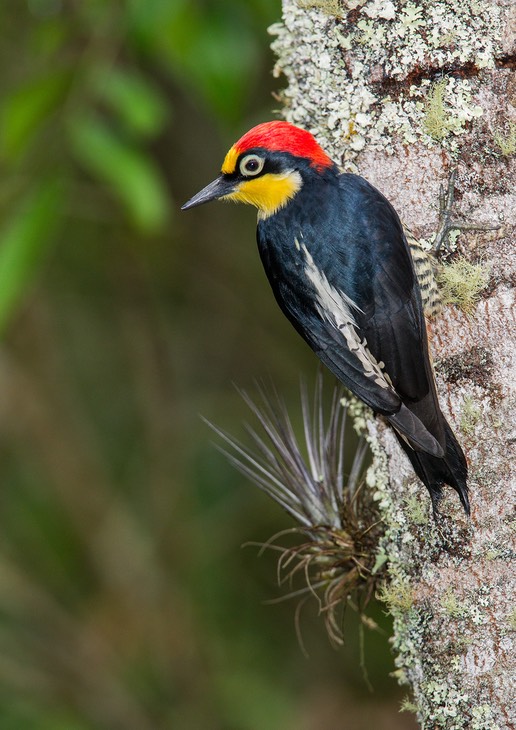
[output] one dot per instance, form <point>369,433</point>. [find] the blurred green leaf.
<point>211,47</point>
<point>252,700</point>
<point>221,62</point>
<point>128,171</point>
<point>24,240</point>
<point>138,103</point>
<point>49,35</point>
<point>20,714</point>
<point>147,19</point>
<point>27,108</point>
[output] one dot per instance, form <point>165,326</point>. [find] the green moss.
<point>330,7</point>
<point>435,121</point>
<point>451,604</point>
<point>462,643</point>
<point>397,595</point>
<point>461,282</point>
<point>417,509</point>
<point>408,706</point>
<point>512,619</point>
<point>507,143</point>
<point>470,415</point>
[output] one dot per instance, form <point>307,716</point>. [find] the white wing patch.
<point>336,307</point>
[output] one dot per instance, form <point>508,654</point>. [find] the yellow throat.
<point>268,193</point>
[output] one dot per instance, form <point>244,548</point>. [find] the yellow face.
<point>268,192</point>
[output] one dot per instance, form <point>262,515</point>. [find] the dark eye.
<point>251,165</point>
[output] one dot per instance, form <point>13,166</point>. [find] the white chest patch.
<point>337,308</point>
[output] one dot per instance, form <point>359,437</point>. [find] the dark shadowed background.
<point>126,597</point>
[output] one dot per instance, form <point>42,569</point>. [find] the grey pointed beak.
<point>216,189</point>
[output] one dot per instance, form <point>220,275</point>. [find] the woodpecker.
<point>339,264</point>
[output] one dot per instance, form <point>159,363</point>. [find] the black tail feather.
<point>434,472</point>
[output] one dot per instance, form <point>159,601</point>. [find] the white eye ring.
<point>251,165</point>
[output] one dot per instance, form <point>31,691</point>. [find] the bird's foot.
<point>447,223</point>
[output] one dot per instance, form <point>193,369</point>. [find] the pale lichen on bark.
<point>361,76</point>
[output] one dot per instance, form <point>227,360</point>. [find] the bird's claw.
<point>446,223</point>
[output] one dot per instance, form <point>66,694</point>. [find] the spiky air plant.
<point>335,514</point>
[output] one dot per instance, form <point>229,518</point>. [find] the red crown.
<point>284,137</point>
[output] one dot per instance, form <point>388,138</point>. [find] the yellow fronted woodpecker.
<point>340,267</point>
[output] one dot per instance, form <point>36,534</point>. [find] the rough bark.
<point>402,93</point>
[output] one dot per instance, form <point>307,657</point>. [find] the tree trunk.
<point>403,92</point>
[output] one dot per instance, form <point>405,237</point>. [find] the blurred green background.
<point>126,598</point>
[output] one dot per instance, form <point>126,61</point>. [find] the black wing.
<point>341,271</point>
